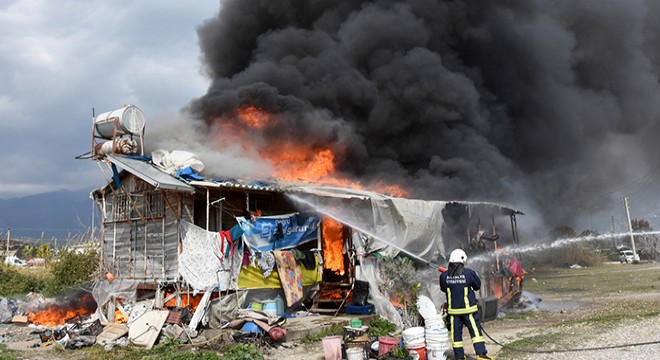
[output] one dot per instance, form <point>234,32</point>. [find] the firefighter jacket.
<point>460,287</point>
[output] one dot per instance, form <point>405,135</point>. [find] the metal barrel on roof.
<point>128,120</point>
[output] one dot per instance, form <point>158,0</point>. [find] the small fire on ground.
<point>70,307</point>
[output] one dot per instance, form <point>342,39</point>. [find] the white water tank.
<point>128,120</point>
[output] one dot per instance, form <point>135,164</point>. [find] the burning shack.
<point>186,239</point>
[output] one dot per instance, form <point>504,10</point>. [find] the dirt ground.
<point>612,309</point>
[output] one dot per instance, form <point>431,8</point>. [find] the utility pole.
<point>613,232</point>
<point>8,235</point>
<point>632,238</point>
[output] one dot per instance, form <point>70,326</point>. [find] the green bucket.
<point>356,323</point>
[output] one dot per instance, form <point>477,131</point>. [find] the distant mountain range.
<point>59,215</point>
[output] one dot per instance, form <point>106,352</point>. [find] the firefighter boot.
<point>484,357</point>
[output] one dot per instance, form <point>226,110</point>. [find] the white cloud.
<point>60,59</point>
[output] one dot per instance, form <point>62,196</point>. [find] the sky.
<point>59,60</point>
<point>549,107</point>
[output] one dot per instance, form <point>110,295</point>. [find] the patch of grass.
<point>169,350</point>
<point>541,342</point>
<point>524,315</point>
<point>335,329</point>
<point>240,352</point>
<point>597,280</point>
<point>6,354</point>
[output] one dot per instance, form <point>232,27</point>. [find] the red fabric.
<point>225,234</point>
<point>515,268</point>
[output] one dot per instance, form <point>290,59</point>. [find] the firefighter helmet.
<point>458,256</point>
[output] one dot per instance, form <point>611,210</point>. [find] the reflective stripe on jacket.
<point>460,288</point>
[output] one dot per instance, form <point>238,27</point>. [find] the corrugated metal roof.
<point>150,174</point>
<point>238,184</point>
<point>162,180</point>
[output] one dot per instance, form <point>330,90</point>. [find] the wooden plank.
<point>111,332</point>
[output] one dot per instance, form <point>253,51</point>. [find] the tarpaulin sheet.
<point>199,262</point>
<point>263,233</point>
<point>252,278</point>
<point>408,225</point>
<point>390,225</point>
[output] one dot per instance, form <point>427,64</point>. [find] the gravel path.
<point>629,332</point>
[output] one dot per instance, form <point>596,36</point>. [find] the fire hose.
<point>567,350</point>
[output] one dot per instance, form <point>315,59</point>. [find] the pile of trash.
<point>139,324</point>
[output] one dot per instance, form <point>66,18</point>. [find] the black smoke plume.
<point>542,105</point>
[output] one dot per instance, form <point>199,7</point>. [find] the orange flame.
<point>333,244</point>
<point>294,162</point>
<point>186,300</point>
<point>120,318</point>
<point>57,314</point>
<point>253,116</point>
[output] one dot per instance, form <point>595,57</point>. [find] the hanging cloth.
<point>266,262</point>
<point>226,235</point>
<point>290,276</point>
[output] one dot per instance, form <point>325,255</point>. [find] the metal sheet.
<point>150,174</point>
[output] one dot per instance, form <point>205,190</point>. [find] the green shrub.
<point>381,327</point>
<point>17,281</point>
<point>73,268</point>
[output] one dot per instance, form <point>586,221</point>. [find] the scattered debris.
<point>144,331</point>
<point>111,332</point>
<point>19,320</point>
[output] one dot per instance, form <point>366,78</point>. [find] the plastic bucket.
<point>416,352</point>
<point>413,335</point>
<point>433,353</point>
<point>434,320</point>
<point>270,307</point>
<point>256,306</point>
<point>355,353</point>
<point>386,343</point>
<point>356,323</point>
<point>438,338</point>
<point>250,327</point>
<point>332,347</point>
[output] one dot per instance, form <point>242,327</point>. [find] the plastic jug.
<point>280,304</point>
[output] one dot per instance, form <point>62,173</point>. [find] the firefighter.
<point>460,283</point>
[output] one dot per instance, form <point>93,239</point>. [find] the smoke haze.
<point>535,104</point>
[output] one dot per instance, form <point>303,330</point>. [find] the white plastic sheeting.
<point>408,225</point>
<point>389,225</point>
<point>200,264</point>
<point>171,162</point>
<point>369,272</point>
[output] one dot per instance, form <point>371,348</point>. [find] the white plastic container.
<point>354,353</point>
<point>414,336</point>
<point>436,353</point>
<point>270,307</point>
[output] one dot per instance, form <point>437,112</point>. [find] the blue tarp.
<point>187,173</point>
<point>280,232</point>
